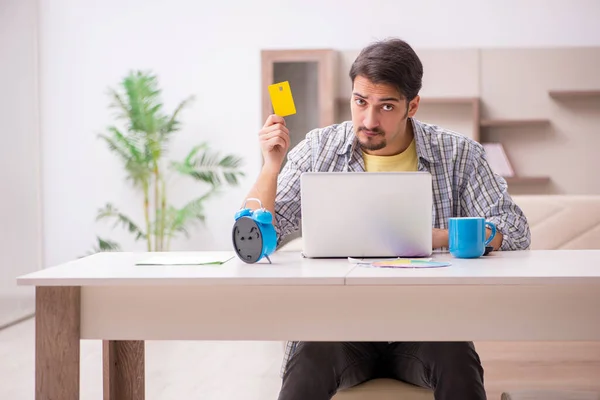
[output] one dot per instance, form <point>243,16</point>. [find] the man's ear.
<point>413,106</point>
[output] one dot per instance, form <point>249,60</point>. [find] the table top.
<point>531,267</point>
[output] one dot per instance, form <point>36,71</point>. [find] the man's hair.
<point>390,61</point>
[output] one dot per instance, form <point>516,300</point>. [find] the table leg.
<point>124,369</point>
<point>57,336</point>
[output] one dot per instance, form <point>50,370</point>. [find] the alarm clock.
<point>254,236</point>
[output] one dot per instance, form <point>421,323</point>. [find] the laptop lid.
<point>366,214</point>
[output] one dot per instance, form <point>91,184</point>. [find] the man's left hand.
<point>497,241</point>
<point>440,238</point>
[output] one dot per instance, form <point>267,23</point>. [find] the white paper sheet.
<point>178,259</point>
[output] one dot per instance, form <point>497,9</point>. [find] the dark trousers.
<point>317,370</point>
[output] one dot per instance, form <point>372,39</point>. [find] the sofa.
<point>556,222</point>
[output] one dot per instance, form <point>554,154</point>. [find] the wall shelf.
<point>513,123</point>
<point>527,180</point>
<point>574,94</point>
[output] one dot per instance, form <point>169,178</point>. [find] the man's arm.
<point>274,143</point>
<point>279,192</point>
<point>486,194</point>
<point>287,208</point>
<point>265,189</point>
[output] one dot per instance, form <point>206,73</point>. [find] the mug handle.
<point>493,228</point>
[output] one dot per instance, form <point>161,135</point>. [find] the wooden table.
<point>526,295</point>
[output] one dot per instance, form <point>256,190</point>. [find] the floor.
<point>250,370</point>
<point>174,370</point>
<point>14,308</point>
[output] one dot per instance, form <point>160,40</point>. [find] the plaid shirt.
<point>463,183</point>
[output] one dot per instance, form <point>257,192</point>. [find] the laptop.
<point>366,214</point>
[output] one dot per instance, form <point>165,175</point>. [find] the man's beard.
<point>376,145</point>
<point>373,145</point>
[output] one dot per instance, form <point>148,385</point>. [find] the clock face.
<point>247,240</point>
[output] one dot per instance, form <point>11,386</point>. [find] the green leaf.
<point>110,212</point>
<point>131,153</point>
<point>190,157</point>
<point>103,245</point>
<point>143,98</point>
<point>193,212</point>
<point>172,125</point>
<point>207,166</point>
<point>119,104</point>
<point>107,245</point>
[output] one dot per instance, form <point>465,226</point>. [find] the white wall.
<point>213,52</point>
<point>20,203</point>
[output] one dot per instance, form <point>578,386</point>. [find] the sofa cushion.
<point>562,221</point>
<point>384,389</point>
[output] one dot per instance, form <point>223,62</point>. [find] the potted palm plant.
<point>142,145</point>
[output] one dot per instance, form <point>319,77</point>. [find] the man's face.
<point>379,116</point>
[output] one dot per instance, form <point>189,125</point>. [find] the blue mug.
<point>466,236</point>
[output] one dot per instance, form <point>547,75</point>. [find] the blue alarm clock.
<point>254,235</point>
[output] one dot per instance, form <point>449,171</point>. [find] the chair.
<point>384,389</point>
<point>550,395</point>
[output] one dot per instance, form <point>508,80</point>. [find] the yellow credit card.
<point>281,99</point>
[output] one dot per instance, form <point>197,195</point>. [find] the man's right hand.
<point>274,140</point>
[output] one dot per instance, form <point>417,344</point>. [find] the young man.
<point>384,136</point>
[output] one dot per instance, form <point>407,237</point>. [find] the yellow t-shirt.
<point>405,161</point>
